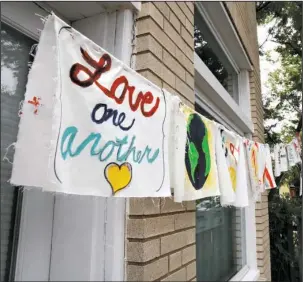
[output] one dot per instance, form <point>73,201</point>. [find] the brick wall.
<point>243,15</point>
<point>160,233</point>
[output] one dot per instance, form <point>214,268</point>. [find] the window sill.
<point>246,274</point>
<point>252,275</point>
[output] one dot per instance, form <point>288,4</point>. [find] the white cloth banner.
<point>280,156</point>
<point>293,153</point>
<point>232,168</point>
<point>225,175</point>
<point>256,161</point>
<point>94,126</point>
<point>268,176</point>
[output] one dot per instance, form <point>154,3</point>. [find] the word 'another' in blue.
<point>104,152</point>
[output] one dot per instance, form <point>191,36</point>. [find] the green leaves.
<point>284,104</point>
<point>284,217</point>
<point>285,83</point>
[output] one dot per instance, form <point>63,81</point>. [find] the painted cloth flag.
<point>228,194</point>
<point>268,175</point>
<point>200,168</point>
<point>256,162</point>
<point>90,125</point>
<point>280,157</point>
<point>293,152</point>
<point>232,168</point>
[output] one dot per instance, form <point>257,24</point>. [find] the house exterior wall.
<point>160,234</point>
<point>243,15</point>
<point>160,243</point>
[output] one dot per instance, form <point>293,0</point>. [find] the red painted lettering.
<point>104,65</point>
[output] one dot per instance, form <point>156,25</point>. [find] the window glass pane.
<point>213,56</point>
<point>220,237</point>
<point>220,249</point>
<point>14,69</point>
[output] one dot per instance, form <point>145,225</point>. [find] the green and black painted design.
<point>197,154</point>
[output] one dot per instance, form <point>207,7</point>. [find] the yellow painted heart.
<point>118,176</point>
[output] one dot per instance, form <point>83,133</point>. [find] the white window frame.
<point>212,96</point>
<point>34,255</point>
<point>220,25</point>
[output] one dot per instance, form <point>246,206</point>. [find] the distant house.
<point>205,52</point>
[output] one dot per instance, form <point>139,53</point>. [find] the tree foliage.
<point>284,83</point>
<point>284,103</point>
<point>285,248</point>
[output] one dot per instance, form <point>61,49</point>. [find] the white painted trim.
<point>123,46</point>
<point>26,17</point>
<point>215,92</point>
<point>209,106</point>
<point>22,16</point>
<point>116,207</point>
<point>240,274</point>
<point>250,271</point>
<point>34,236</point>
<point>251,241</point>
<point>221,26</point>
<point>120,5</point>
<point>244,92</point>
<point>246,274</point>
<point>252,275</point>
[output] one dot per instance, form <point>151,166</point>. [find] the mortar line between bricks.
<point>147,51</point>
<point>164,17</point>
<point>179,93</point>
<point>162,256</point>
<point>143,240</point>
<point>183,11</point>
<point>139,216</point>
<point>168,19</point>
<point>161,10</point>
<point>162,29</point>
<point>150,17</point>
<point>175,270</point>
<point>165,64</point>
<point>168,51</point>
<point>187,44</point>
<point>174,56</point>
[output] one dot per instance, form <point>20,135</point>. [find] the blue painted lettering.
<point>107,150</point>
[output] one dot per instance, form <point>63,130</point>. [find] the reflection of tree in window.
<point>10,63</point>
<point>204,51</point>
<point>15,48</point>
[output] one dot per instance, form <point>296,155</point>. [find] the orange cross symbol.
<point>36,102</point>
